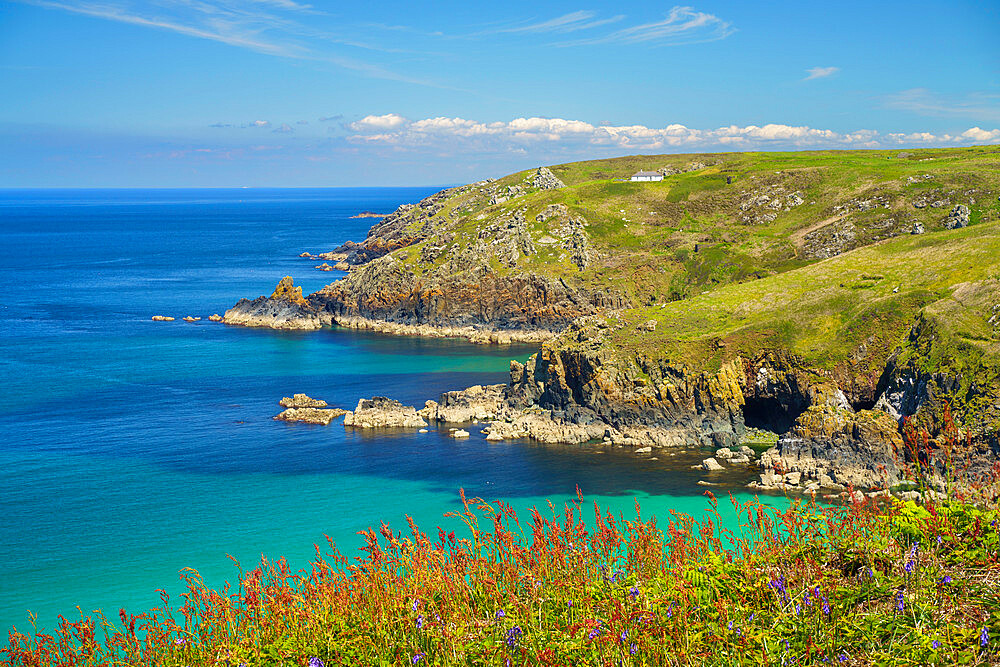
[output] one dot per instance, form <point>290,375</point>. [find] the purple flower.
<point>946,579</point>
<point>596,631</point>
<point>826,606</point>
<point>500,613</point>
<point>420,621</point>
<point>984,637</point>
<point>315,662</point>
<point>670,612</point>
<point>842,657</point>
<point>569,605</point>
<point>908,567</point>
<point>512,636</point>
<point>624,636</point>
<point>939,540</point>
<point>417,658</point>
<point>415,603</point>
<point>936,644</point>
<point>729,626</point>
<point>179,641</point>
<point>632,649</point>
<point>615,575</point>
<point>899,600</point>
<point>798,610</point>
<point>634,592</point>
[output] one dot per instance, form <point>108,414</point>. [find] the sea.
<point>133,450</point>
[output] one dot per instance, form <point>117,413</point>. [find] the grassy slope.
<point>646,233</point>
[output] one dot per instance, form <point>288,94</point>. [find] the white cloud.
<point>820,72</point>
<point>383,122</point>
<point>260,123</point>
<point>463,134</point>
<point>572,22</point>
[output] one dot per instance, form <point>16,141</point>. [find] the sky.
<point>287,93</point>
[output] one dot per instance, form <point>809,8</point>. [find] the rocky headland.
<point>846,315</point>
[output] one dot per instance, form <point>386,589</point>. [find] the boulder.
<point>189,318</point>
<point>460,433</point>
<point>918,228</point>
<point>710,464</point>
<point>724,453</point>
<point>162,318</point>
<point>215,317</point>
<point>475,403</point>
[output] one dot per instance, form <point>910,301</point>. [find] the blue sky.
<point>146,93</point>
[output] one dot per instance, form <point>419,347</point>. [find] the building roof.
<point>645,173</point>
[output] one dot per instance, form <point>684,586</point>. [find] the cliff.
<point>829,297</point>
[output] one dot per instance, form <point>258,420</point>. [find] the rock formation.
<point>284,309</point>
<point>311,415</point>
<point>382,412</point>
<point>301,401</point>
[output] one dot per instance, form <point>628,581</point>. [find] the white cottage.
<point>647,176</point>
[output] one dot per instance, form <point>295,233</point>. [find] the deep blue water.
<point>132,449</point>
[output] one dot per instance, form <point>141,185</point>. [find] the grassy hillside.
<point>693,232</point>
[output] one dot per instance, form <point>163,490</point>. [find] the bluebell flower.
<point>899,600</point>
<point>935,644</point>
<point>632,649</point>
<point>729,626</point>
<point>415,602</point>
<point>420,621</point>
<point>946,579</point>
<point>798,610</point>
<point>615,575</point>
<point>633,592</point>
<point>315,662</point>
<point>569,605</point>
<point>596,630</point>
<point>908,567</point>
<point>826,606</point>
<point>842,657</point>
<point>513,635</point>
<point>417,658</point>
<point>500,613</point>
<point>984,637</point>
<point>939,540</point>
<point>670,611</point>
<point>180,641</point>
<point>623,637</point>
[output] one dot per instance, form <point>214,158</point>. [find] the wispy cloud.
<point>572,22</point>
<point>271,27</point>
<point>979,106</point>
<point>820,72</point>
<point>681,25</point>
<point>461,134</point>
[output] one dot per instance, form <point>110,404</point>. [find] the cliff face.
<point>766,291</point>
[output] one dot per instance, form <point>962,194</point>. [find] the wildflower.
<point>939,540</point>
<point>615,575</point>
<point>417,658</point>
<point>512,636</point>
<point>180,641</point>
<point>595,631</point>
<point>806,598</point>
<point>826,606</point>
<point>798,610</point>
<point>935,644</point>
<point>569,605</point>
<point>729,626</point>
<point>500,614</point>
<point>670,612</point>
<point>908,567</point>
<point>842,657</point>
<point>984,637</point>
<point>899,600</point>
<point>633,592</point>
<point>420,621</point>
<point>632,649</point>
<point>315,662</point>
<point>415,603</point>
<point>946,579</point>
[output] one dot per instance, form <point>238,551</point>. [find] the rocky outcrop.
<point>835,448</point>
<point>162,318</point>
<point>544,179</point>
<point>382,412</point>
<point>310,415</point>
<point>215,317</point>
<point>958,217</point>
<point>475,403</point>
<point>284,309</point>
<point>301,401</point>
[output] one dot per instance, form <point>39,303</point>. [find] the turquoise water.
<point>132,449</point>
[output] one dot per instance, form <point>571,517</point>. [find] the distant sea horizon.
<point>135,449</point>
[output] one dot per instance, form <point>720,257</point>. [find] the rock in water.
<point>460,433</point>
<point>710,464</point>
<point>215,317</point>
<point>311,415</point>
<point>476,402</point>
<point>162,318</point>
<point>284,309</point>
<point>958,217</point>
<point>301,401</point>
<point>382,412</point>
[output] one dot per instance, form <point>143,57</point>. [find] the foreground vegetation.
<point>870,583</point>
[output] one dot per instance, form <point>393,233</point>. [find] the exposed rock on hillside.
<point>544,179</point>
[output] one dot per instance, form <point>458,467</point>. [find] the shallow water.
<point>132,449</point>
